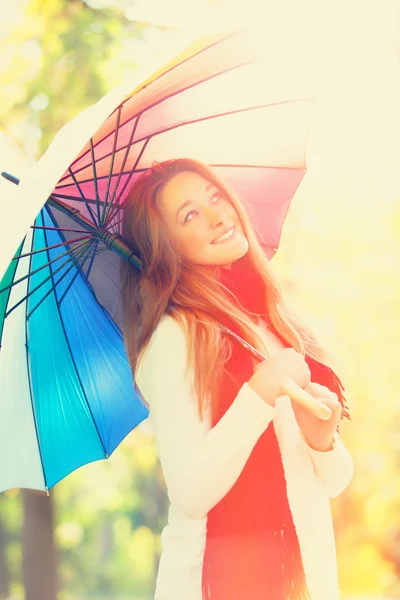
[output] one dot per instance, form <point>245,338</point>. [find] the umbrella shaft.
<point>258,355</point>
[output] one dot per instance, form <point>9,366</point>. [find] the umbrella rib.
<point>85,237</point>
<point>136,91</point>
<point>75,198</point>
<point>56,228</point>
<point>36,271</point>
<point>198,120</point>
<point>81,193</point>
<point>73,361</point>
<point>250,166</point>
<point>124,162</point>
<point>115,206</point>
<point>111,165</point>
<point>29,380</point>
<point>92,259</point>
<point>95,182</point>
<point>9,290</point>
<point>9,287</point>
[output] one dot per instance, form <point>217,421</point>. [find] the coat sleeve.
<point>335,468</point>
<point>200,464</point>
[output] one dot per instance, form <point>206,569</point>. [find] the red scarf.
<point>252,551</point>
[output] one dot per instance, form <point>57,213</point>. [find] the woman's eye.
<point>189,213</point>
<point>216,195</point>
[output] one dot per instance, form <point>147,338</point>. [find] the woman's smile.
<point>226,236</point>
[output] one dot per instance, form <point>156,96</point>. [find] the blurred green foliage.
<point>61,57</point>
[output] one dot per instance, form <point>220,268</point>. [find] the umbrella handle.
<point>294,391</point>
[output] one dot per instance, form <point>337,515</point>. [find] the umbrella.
<point>67,396</point>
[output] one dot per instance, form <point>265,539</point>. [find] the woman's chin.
<point>225,256</point>
<point>240,249</point>
<point>230,257</point>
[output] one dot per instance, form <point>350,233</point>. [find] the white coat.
<point>201,464</point>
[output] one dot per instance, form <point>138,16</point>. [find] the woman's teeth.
<point>227,235</point>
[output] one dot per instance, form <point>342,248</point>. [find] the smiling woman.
<point>242,466</point>
<point>206,227</point>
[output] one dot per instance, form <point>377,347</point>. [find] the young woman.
<point>249,473</point>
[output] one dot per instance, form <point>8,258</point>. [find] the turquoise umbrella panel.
<point>96,342</point>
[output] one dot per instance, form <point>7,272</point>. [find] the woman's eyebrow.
<point>182,206</point>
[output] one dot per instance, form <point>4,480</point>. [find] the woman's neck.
<point>246,284</point>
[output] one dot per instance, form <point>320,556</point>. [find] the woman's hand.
<point>270,374</point>
<point>319,434</point>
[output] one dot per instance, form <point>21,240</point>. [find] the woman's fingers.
<point>325,396</point>
<point>318,391</point>
<point>305,401</point>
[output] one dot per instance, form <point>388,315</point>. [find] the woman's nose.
<point>215,216</point>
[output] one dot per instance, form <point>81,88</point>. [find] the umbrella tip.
<point>10,177</point>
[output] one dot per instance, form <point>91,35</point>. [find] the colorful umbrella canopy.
<point>67,395</point>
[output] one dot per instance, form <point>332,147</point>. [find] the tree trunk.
<point>4,572</point>
<point>39,553</point>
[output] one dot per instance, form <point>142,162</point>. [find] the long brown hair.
<point>190,293</point>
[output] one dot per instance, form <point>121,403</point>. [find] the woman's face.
<point>197,214</point>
